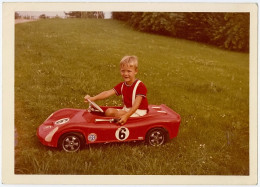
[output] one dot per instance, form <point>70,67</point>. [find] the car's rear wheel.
<point>71,142</point>
<point>156,137</point>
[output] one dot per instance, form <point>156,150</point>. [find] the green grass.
<point>58,62</point>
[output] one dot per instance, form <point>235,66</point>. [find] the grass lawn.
<point>58,62</point>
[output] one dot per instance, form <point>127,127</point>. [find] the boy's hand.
<point>123,119</point>
<point>86,98</point>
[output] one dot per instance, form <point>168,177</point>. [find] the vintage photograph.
<point>130,92</point>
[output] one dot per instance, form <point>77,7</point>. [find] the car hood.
<point>64,116</point>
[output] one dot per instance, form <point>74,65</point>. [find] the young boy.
<point>133,92</point>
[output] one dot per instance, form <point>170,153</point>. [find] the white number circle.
<point>122,133</point>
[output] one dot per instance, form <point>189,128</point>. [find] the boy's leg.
<point>112,112</point>
<point>120,113</point>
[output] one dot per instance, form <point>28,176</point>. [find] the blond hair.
<point>131,61</point>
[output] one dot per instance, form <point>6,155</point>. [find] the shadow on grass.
<point>98,146</point>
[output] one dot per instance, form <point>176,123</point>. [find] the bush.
<point>225,30</point>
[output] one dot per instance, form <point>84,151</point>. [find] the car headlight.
<point>48,138</point>
<point>61,121</point>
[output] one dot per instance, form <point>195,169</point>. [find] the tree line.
<point>84,14</point>
<point>225,30</point>
<point>71,14</point>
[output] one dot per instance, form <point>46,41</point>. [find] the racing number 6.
<point>122,133</point>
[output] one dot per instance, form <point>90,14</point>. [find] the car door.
<point>105,129</point>
<point>131,130</point>
<point>98,130</point>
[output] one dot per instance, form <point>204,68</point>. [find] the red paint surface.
<point>84,122</point>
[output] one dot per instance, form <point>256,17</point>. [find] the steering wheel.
<point>95,106</point>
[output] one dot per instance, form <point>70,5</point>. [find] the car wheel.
<point>156,137</point>
<point>71,142</point>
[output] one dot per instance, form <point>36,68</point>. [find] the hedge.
<point>225,30</point>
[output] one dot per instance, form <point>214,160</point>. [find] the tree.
<point>79,14</point>
<point>42,16</point>
<point>123,16</point>
<point>17,15</point>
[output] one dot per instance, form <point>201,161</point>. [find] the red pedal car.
<point>71,129</point>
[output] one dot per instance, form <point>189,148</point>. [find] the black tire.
<point>156,136</point>
<point>71,142</point>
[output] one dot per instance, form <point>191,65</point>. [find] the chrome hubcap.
<point>156,138</point>
<point>71,143</point>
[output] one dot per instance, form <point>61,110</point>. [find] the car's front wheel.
<point>71,142</point>
<point>156,137</point>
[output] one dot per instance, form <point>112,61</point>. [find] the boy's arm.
<point>135,106</point>
<point>102,95</point>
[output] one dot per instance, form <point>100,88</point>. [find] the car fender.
<point>161,125</point>
<point>67,130</point>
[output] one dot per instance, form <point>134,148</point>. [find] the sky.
<point>36,14</point>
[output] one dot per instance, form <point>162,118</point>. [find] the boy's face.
<point>128,73</point>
